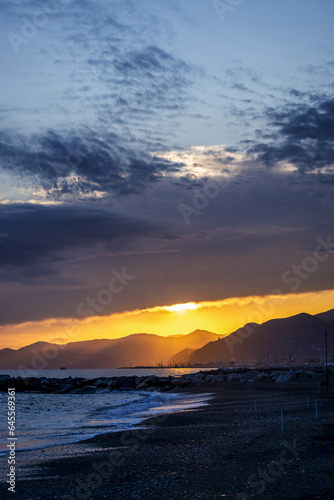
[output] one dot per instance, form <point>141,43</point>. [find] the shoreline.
<point>210,452</point>
<point>157,404</point>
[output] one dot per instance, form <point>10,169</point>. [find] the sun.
<point>190,306</point>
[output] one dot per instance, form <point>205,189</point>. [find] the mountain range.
<point>138,349</point>
<point>297,337</point>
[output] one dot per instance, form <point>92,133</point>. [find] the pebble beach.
<point>232,447</point>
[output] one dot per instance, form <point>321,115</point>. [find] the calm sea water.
<point>118,372</point>
<point>48,420</point>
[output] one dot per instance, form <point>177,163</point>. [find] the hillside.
<point>181,358</point>
<point>327,316</point>
<point>300,336</point>
<point>297,337</point>
<point>137,349</point>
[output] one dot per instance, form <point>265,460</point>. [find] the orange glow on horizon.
<point>221,317</point>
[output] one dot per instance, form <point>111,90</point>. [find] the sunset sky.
<point>165,165</point>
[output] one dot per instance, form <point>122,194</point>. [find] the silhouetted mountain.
<point>326,316</point>
<point>299,336</point>
<point>137,349</point>
<point>181,358</point>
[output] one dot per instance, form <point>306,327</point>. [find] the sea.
<point>49,420</point>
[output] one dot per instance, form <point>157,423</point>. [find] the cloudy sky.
<point>163,152</point>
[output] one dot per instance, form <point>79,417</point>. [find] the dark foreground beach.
<point>230,449</point>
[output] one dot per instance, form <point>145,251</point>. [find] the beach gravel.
<point>232,448</point>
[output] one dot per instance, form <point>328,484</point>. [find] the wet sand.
<point>226,449</point>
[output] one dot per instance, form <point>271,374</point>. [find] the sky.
<point>165,165</point>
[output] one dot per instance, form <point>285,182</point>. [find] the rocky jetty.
<point>102,385</point>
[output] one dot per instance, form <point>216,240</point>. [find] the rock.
<point>141,387</point>
<point>88,389</point>
<point>151,380</point>
<point>64,388</point>
<point>284,377</point>
<point>126,383</point>
<point>183,382</point>
<point>76,391</point>
<point>233,377</point>
<point>165,388</point>
<point>89,381</point>
<point>199,381</point>
<point>112,384</point>
<point>101,383</point>
<point>251,374</point>
<point>163,381</point>
<point>102,390</point>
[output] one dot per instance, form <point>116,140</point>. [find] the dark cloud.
<point>242,240</point>
<point>39,234</point>
<point>305,137</point>
<point>82,164</point>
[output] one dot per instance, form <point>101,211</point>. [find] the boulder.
<point>102,390</point>
<point>141,387</point>
<point>112,384</point>
<point>102,383</point>
<point>64,388</point>
<point>284,377</point>
<point>152,380</point>
<point>126,383</point>
<point>251,375</point>
<point>199,381</point>
<point>233,377</point>
<point>88,389</point>
<point>76,391</point>
<point>163,381</point>
<point>165,388</point>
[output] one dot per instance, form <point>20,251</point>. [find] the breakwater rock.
<point>102,385</point>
